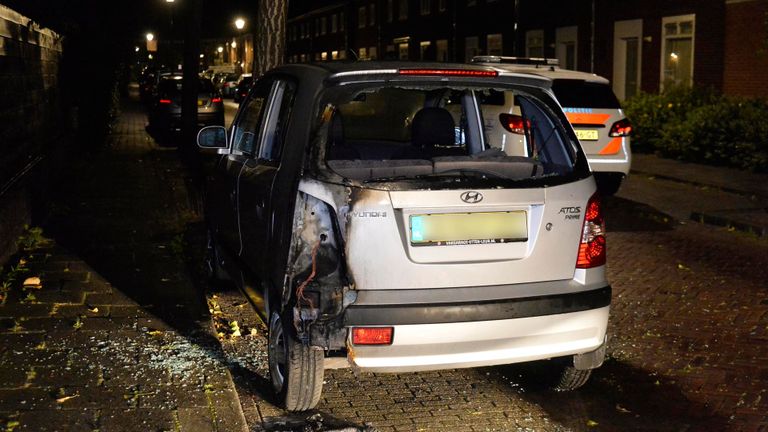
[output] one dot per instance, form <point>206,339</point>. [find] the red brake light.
<point>592,247</point>
<point>514,123</point>
<point>621,128</point>
<point>372,335</point>
<point>449,72</point>
<point>216,100</point>
<point>165,101</point>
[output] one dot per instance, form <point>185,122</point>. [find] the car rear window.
<point>381,131</point>
<point>172,86</point>
<point>583,94</point>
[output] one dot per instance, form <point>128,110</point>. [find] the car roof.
<point>351,70</point>
<point>548,68</point>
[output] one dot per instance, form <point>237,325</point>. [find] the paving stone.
<point>57,421</point>
<point>26,399</point>
<point>195,420</point>
<point>141,419</point>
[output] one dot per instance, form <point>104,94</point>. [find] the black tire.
<point>570,378</point>
<point>215,273</point>
<point>608,183</point>
<point>295,369</point>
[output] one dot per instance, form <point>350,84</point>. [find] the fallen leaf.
<point>592,423</point>
<point>621,409</point>
<point>254,332</point>
<point>77,324</point>
<point>66,398</point>
<point>32,282</point>
<point>682,267</point>
<point>93,309</point>
<point>235,328</point>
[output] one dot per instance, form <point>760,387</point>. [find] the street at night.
<point>294,249</point>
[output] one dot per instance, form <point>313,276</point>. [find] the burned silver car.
<point>373,225</point>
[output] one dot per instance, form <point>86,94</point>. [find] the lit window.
<point>677,51</point>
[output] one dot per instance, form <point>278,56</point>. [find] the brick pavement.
<point>116,337</point>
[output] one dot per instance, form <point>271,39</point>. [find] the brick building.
<point>640,45</point>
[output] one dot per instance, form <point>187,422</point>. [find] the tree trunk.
<point>270,35</point>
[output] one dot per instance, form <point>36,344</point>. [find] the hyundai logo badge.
<point>471,197</point>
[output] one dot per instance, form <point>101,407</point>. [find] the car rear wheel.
<point>569,378</point>
<point>608,183</point>
<point>296,369</point>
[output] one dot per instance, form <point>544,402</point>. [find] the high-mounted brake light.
<point>216,100</point>
<point>372,335</point>
<point>449,72</point>
<point>621,128</point>
<point>592,247</point>
<point>514,123</point>
<point>165,101</point>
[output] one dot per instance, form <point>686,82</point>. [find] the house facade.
<point>640,45</point>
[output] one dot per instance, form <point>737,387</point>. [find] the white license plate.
<point>456,229</point>
<point>586,134</point>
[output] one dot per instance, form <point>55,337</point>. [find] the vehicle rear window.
<point>172,86</point>
<point>400,131</point>
<point>583,94</point>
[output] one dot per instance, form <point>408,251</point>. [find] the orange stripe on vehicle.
<point>582,118</point>
<point>613,147</point>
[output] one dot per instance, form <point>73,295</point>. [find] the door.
<point>256,181</point>
<point>224,183</point>
<point>627,46</point>
<point>566,43</point>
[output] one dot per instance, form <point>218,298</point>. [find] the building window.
<point>566,44</point>
<point>441,50</point>
<point>402,51</point>
<point>334,23</point>
<point>390,10</point>
<point>402,10</point>
<point>471,47</point>
<point>361,19</point>
<point>424,50</point>
<point>363,53</point>
<point>441,5</point>
<point>471,3</point>
<point>373,53</point>
<point>677,50</point>
<point>494,44</point>
<point>534,43</point>
<point>372,15</point>
<point>341,21</point>
<point>323,23</point>
<point>426,7</point>
<point>317,26</point>
<point>324,56</point>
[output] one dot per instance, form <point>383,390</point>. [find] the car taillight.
<point>592,247</point>
<point>514,123</point>
<point>621,128</point>
<point>372,335</point>
<point>165,101</point>
<point>216,100</point>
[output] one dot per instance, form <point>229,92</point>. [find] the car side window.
<point>246,129</point>
<point>277,118</point>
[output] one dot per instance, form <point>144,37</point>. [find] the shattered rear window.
<point>376,132</point>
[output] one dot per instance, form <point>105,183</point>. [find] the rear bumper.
<point>484,334</point>
<point>616,163</point>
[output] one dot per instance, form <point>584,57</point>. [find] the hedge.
<point>702,126</point>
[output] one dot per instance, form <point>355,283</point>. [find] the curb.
<point>700,184</point>
<point>725,222</point>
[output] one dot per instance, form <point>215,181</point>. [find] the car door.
<point>224,183</point>
<point>256,182</point>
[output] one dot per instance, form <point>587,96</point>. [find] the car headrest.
<point>433,126</point>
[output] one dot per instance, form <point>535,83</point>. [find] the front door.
<point>627,49</point>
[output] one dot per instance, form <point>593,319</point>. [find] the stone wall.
<point>31,121</point>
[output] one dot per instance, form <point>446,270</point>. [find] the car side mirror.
<point>212,137</point>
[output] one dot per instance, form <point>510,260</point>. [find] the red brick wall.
<point>746,55</point>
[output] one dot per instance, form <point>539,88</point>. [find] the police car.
<point>591,107</point>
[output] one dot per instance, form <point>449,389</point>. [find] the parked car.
<point>367,214</point>
<point>229,84</point>
<point>242,88</point>
<point>592,109</point>
<point>165,113</point>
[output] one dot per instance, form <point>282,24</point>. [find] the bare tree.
<point>270,35</point>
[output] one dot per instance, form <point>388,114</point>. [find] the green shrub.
<point>701,126</point>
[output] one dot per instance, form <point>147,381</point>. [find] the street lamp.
<point>239,23</point>
<point>150,37</point>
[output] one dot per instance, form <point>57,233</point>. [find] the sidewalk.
<point>724,197</point>
<point>111,331</point>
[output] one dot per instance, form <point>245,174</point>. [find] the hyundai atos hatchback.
<point>592,109</point>
<point>374,224</point>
